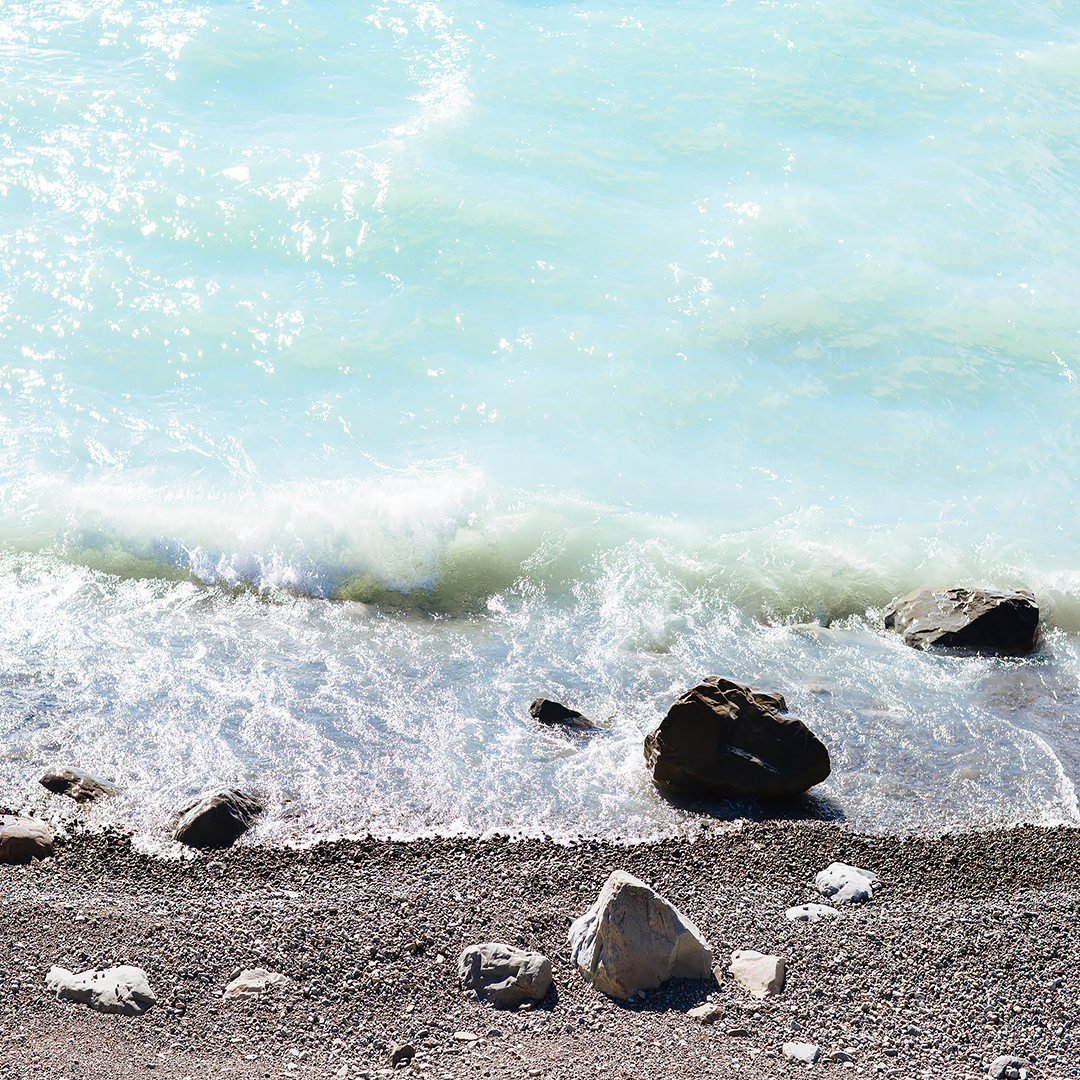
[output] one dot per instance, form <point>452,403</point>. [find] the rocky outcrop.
<point>77,785</point>
<point>633,939</point>
<point>23,839</point>
<point>253,983</point>
<point>725,740</point>
<point>503,975</point>
<point>217,818</point>
<point>122,989</point>
<point>555,714</point>
<point>760,974</point>
<point>985,621</point>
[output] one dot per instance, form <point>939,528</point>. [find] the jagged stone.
<point>122,989</point>
<point>758,973</point>
<point>983,620</point>
<point>504,975</point>
<point>253,983</point>
<point>555,714</point>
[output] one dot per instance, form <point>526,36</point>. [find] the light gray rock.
<point>759,973</point>
<point>811,913</point>
<point>253,983</point>
<point>807,1053</point>
<point>504,975</point>
<point>77,785</point>
<point>23,839</point>
<point>1008,1067</point>
<point>708,1013</point>
<point>633,939</point>
<point>846,884</point>
<point>122,989</point>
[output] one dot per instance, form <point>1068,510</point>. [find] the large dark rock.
<point>554,713</point>
<point>986,621</point>
<point>77,785</point>
<point>217,819</point>
<point>729,741</point>
<point>23,839</point>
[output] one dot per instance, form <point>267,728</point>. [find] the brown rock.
<point>983,620</point>
<point>77,785</point>
<point>23,839</point>
<point>217,819</point>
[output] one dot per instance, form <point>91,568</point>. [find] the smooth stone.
<point>759,973</point>
<point>983,620</point>
<point>555,713</point>
<point>1007,1067</point>
<point>122,989</point>
<point>632,939</point>
<point>708,1013</point>
<point>846,884</point>
<point>466,1036</point>
<point>252,983</point>
<point>811,913</point>
<point>504,975</point>
<point>23,839</point>
<point>77,785</point>
<point>217,818</point>
<point>728,741</point>
<point>402,1054</point>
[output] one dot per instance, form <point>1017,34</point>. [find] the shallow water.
<point>367,371</point>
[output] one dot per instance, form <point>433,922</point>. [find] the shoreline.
<point>965,954</point>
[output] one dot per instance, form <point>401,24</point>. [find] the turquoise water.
<point>369,370</point>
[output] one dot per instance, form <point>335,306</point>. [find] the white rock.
<point>807,1053</point>
<point>811,913</point>
<point>632,939</point>
<point>758,973</point>
<point>122,989</point>
<point>708,1013</point>
<point>1008,1067</point>
<point>847,884</point>
<point>252,983</point>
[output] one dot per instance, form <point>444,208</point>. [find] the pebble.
<point>811,913</point>
<point>708,1013</point>
<point>805,1052</point>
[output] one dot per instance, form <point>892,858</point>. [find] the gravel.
<point>966,953</point>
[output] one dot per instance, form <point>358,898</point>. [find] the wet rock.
<point>23,839</point>
<point>217,818</point>
<point>253,983</point>
<point>504,975</point>
<point>122,989</point>
<point>760,974</point>
<point>633,939</point>
<point>1007,1067</point>
<point>77,785</point>
<point>725,740</point>
<point>811,913</point>
<point>806,1053</point>
<point>846,884</point>
<point>987,621</point>
<point>555,714</point>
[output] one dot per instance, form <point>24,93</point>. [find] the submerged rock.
<point>555,714</point>
<point>726,740</point>
<point>987,621</point>
<point>504,975</point>
<point>217,818</point>
<point>23,839</point>
<point>122,989</point>
<point>77,785</point>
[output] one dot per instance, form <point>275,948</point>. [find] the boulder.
<point>986,621</point>
<point>811,913</point>
<point>632,939</point>
<point>554,713</point>
<point>23,839</point>
<point>122,989</point>
<point>726,740</point>
<point>760,974</point>
<point>217,818</point>
<point>846,884</point>
<point>253,983</point>
<point>77,785</point>
<point>503,975</point>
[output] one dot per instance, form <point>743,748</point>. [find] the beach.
<point>964,954</point>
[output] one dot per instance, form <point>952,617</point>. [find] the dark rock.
<point>77,785</point>
<point>553,712</point>
<point>402,1055</point>
<point>217,818</point>
<point>725,740</point>
<point>996,622</point>
<point>504,975</point>
<point>23,839</point>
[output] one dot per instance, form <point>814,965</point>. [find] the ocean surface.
<point>369,369</point>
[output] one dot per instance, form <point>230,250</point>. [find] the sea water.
<point>369,369</point>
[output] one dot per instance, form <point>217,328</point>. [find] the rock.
<point>252,983</point>
<point>838,1057</point>
<point>811,913</point>
<point>122,989</point>
<point>217,818</point>
<point>632,939</point>
<point>708,1013</point>
<point>554,712</point>
<point>725,740</point>
<point>466,1036</point>
<point>23,839</point>
<point>807,1053</point>
<point>402,1054</point>
<point>77,785</point>
<point>1007,1067</point>
<point>846,884</point>
<point>988,621</point>
<point>503,974</point>
<point>760,974</point>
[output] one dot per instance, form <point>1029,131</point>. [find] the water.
<point>367,370</point>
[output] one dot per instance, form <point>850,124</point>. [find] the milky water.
<point>367,370</point>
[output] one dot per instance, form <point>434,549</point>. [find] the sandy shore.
<point>968,952</point>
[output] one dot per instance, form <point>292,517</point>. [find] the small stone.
<point>122,989</point>
<point>554,713</point>
<point>811,913</point>
<point>466,1036</point>
<point>846,884</point>
<point>404,1053</point>
<point>737,1033</point>
<point>503,974</point>
<point>807,1053</point>
<point>23,839</point>
<point>253,983</point>
<point>760,974</point>
<point>1007,1067</point>
<point>839,1057</point>
<point>708,1013</point>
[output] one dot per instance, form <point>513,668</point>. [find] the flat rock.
<point>77,785</point>
<point>23,839</point>
<point>122,989</point>
<point>555,714</point>
<point>217,818</point>
<point>811,913</point>
<point>759,973</point>
<point>708,1013</point>
<point>253,983</point>
<point>725,740</point>
<point>983,620</point>
<point>1007,1067</point>
<point>632,939</point>
<point>504,975</point>
<point>846,884</point>
<point>805,1052</point>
